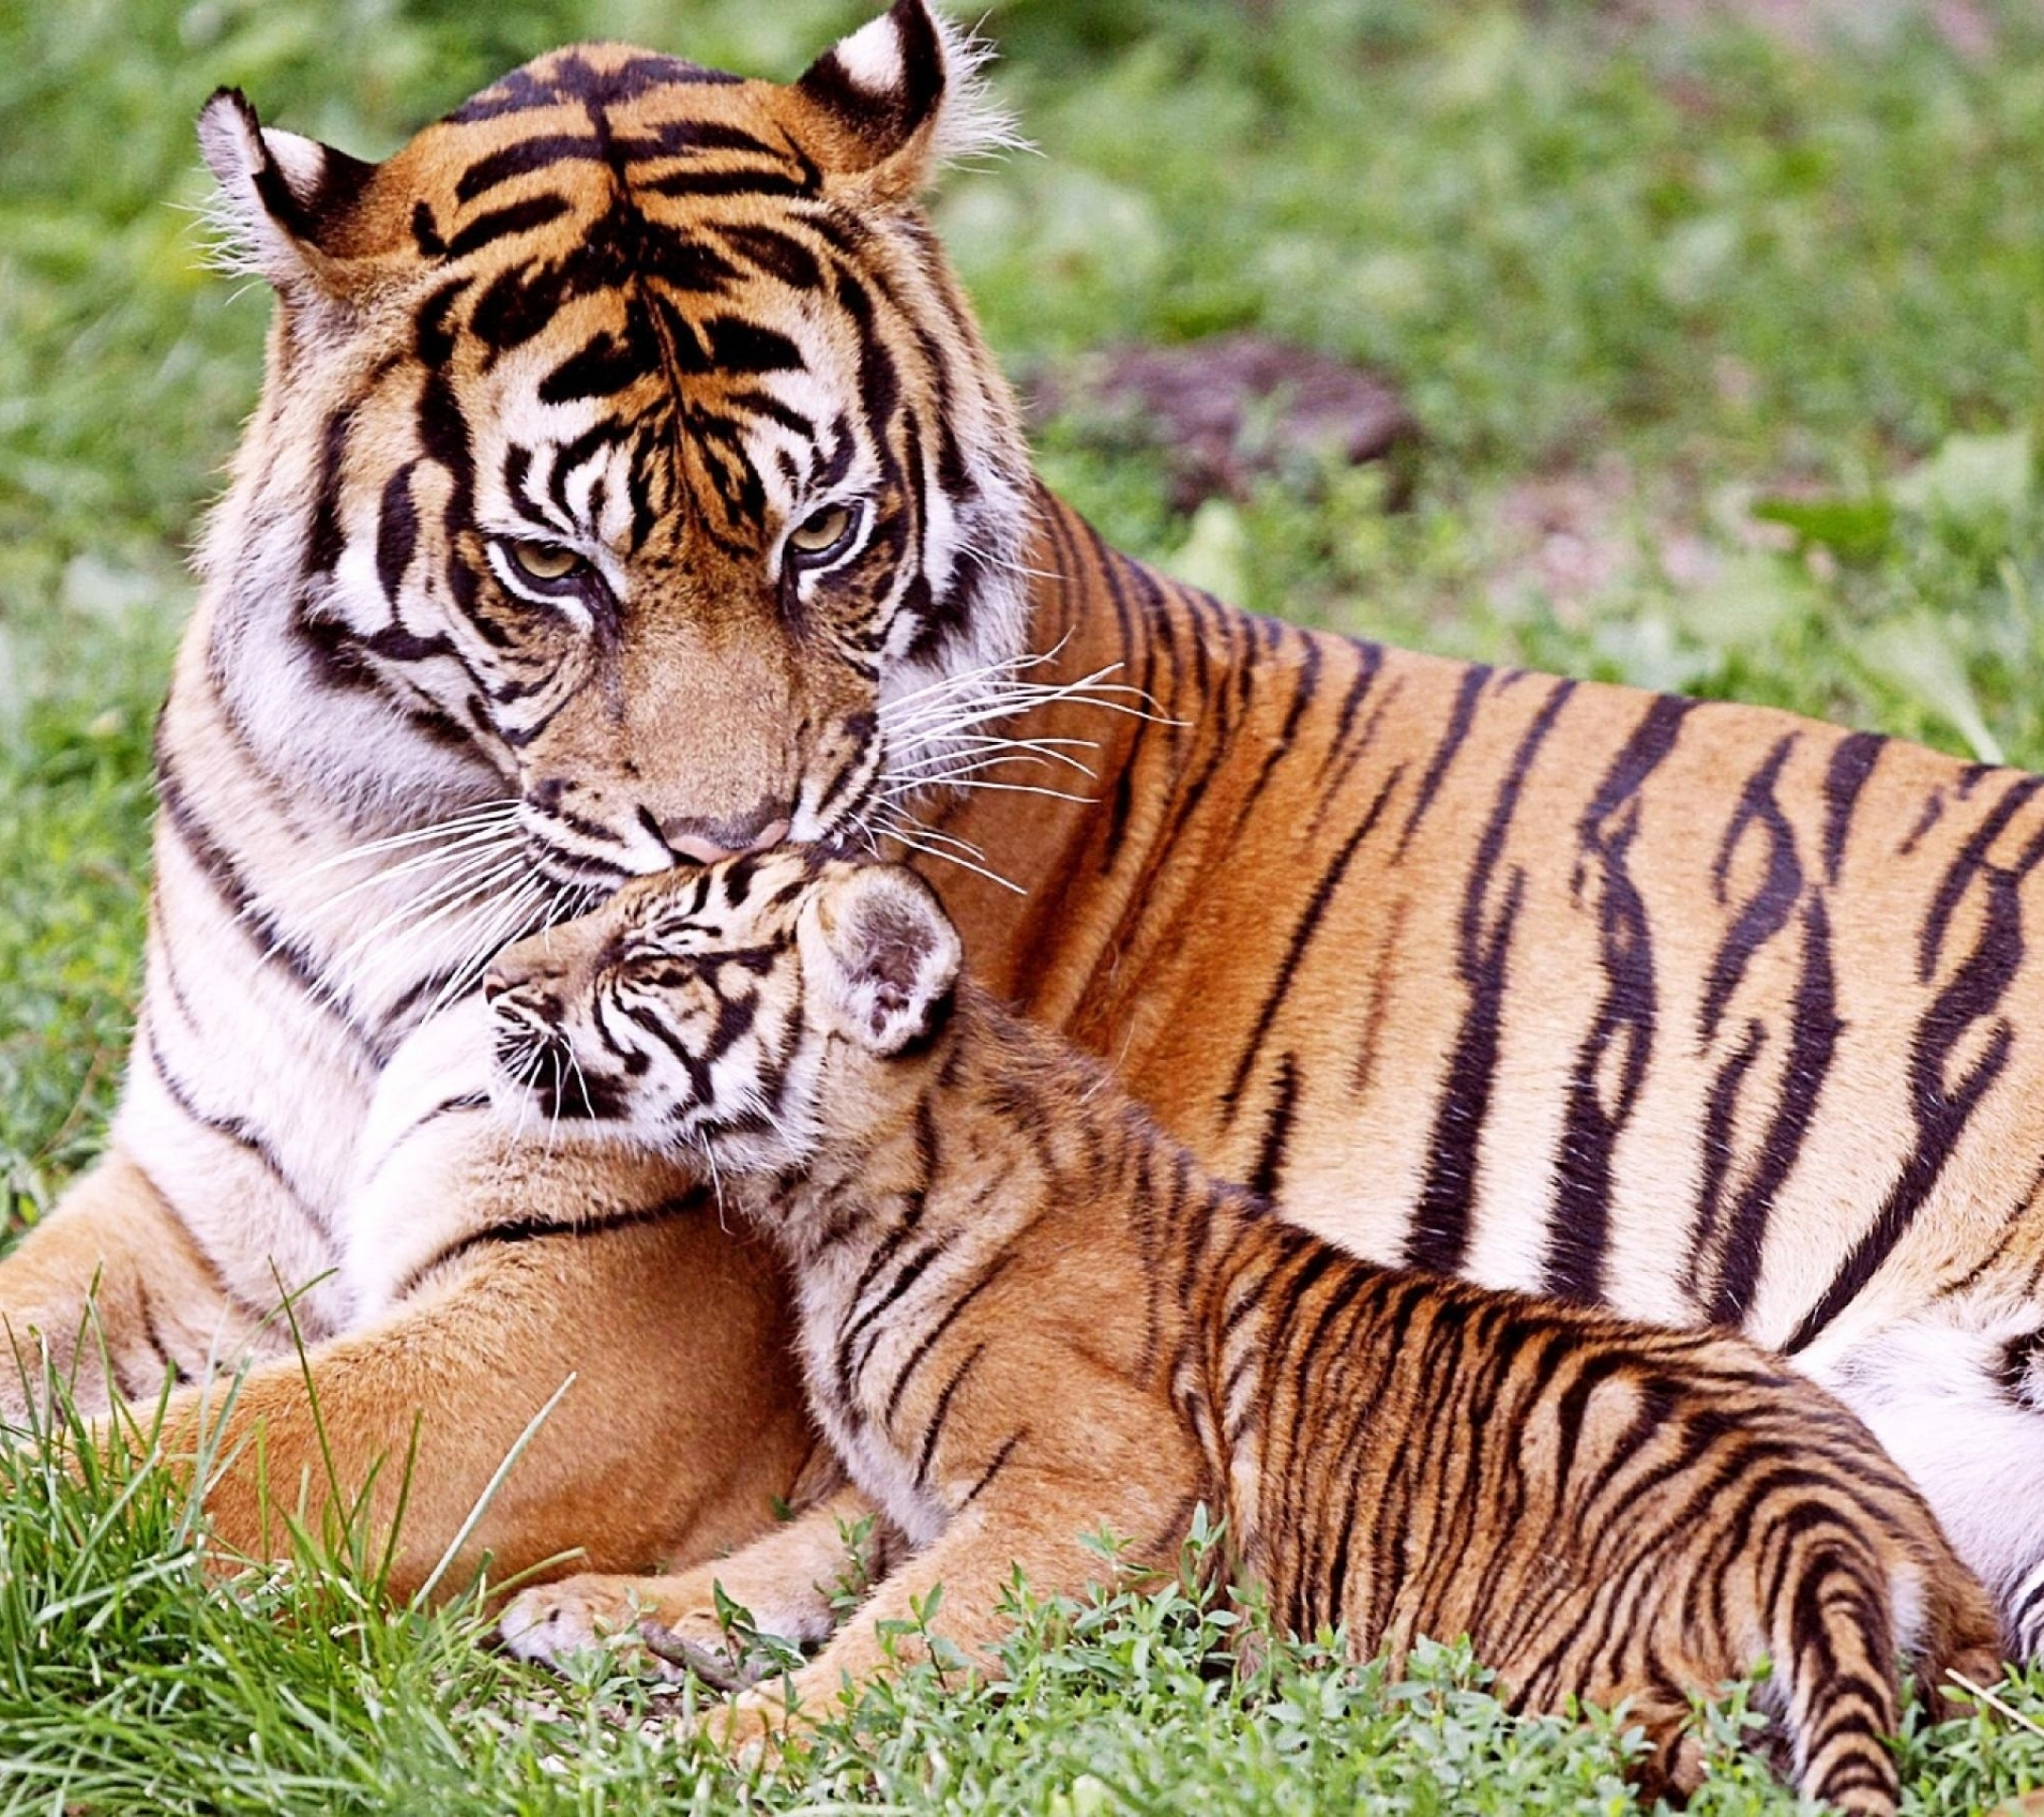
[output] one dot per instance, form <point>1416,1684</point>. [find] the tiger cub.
<point>1025,1315</point>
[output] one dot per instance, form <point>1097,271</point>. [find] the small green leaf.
<point>1856,530</point>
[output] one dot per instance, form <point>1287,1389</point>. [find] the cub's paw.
<point>554,1622</point>
<point>754,1726</point>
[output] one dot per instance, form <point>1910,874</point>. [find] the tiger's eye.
<point>543,560</point>
<point>824,532</point>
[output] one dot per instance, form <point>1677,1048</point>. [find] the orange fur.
<point>1026,1317</point>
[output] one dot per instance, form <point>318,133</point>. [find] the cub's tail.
<point>1839,1619</point>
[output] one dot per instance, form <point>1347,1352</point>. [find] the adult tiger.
<point>631,483</point>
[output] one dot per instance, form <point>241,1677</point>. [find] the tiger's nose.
<point>514,964</point>
<point>711,841</point>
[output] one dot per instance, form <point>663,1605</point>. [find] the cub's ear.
<point>284,199</point>
<point>880,954</point>
<point>900,96</point>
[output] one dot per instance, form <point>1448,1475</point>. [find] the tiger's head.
<point>626,444</point>
<point>737,1014</point>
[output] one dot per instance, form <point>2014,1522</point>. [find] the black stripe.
<point>396,533</point>
<point>1625,1017</point>
<point>325,539</point>
<point>575,79</point>
<point>1968,866</point>
<point>1105,563</point>
<point>236,1130</point>
<point>1303,931</point>
<point>1345,749</point>
<point>688,181</point>
<point>426,231</point>
<point>445,1107</point>
<point>1242,662</point>
<point>1438,1239</point>
<point>219,871</point>
<point>152,1331</point>
<point>1852,762</point>
<point>936,1332</point>
<point>942,1412</point>
<point>777,253</point>
<point>1766,912</point>
<point>1813,1042</point>
<point>883,1253</point>
<point>520,1230</point>
<point>679,138</point>
<point>519,217</point>
<point>1277,1129</point>
<point>526,156</point>
<point>1458,732</point>
<point>995,1467</point>
<point>871,1321</point>
<point>1940,1106</point>
<point>608,362</point>
<point>209,1264</point>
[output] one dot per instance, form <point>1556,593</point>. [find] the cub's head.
<point>626,444</point>
<point>736,1011</point>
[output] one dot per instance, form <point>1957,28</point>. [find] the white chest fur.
<point>430,1142</point>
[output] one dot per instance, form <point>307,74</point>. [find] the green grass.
<point>129,1682</point>
<point>1729,358</point>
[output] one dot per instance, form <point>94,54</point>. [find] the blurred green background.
<point>1722,322</point>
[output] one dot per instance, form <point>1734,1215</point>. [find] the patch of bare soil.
<point>1576,536</point>
<point>1232,408</point>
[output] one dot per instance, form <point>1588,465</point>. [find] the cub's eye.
<point>824,535</point>
<point>543,561</point>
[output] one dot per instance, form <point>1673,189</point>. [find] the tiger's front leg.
<point>787,1582</point>
<point>111,1297</point>
<point>1030,1522</point>
<point>669,1441</point>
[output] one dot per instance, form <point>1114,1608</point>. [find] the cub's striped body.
<point>1025,1315</point>
<point>630,481</point>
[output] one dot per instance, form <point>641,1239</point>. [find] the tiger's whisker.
<point>936,768</point>
<point>990,751</point>
<point>450,899</point>
<point>921,831</point>
<point>476,845</point>
<point>903,837</point>
<point>1015,789</point>
<point>489,941</point>
<point>475,820</point>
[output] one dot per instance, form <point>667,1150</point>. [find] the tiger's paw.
<point>755,1725</point>
<point>555,1622</point>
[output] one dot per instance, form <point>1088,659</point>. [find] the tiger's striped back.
<point>1022,1303</point>
<point>1608,1510</point>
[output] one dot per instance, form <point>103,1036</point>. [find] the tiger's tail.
<point>1837,1619</point>
<point>1831,1621</point>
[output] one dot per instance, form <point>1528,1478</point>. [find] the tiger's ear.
<point>901,96</point>
<point>283,197</point>
<point>880,954</point>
